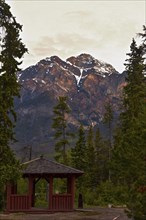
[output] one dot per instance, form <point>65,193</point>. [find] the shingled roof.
<point>43,165</point>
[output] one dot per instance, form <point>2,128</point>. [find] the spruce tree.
<point>130,144</point>
<point>90,159</point>
<point>78,157</point>
<point>60,125</point>
<point>129,152</point>
<point>101,158</point>
<point>108,119</point>
<point>143,36</point>
<point>78,152</point>
<point>11,52</point>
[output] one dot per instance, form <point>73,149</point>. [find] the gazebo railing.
<point>61,202</point>
<point>19,202</point>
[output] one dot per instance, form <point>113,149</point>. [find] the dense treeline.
<point>11,52</point>
<point>115,168</point>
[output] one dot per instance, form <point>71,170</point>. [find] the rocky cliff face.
<point>88,83</point>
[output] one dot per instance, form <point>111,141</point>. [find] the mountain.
<point>87,82</point>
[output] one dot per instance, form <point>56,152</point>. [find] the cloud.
<point>64,45</point>
<point>66,28</point>
<point>81,13</point>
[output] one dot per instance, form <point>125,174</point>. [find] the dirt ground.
<point>84,214</point>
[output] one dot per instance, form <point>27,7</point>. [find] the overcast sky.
<point>67,28</point>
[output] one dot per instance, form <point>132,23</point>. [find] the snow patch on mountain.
<point>80,67</point>
<point>43,81</point>
<point>78,78</point>
<point>35,79</point>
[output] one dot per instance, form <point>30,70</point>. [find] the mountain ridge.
<point>87,82</point>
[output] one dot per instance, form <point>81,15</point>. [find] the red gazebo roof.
<point>42,166</point>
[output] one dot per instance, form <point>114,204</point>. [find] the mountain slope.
<point>88,83</point>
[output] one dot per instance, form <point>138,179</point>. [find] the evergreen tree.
<point>78,156</point>
<point>108,118</point>
<point>101,158</point>
<point>60,126</point>
<point>143,36</point>
<point>11,51</point>
<point>130,143</point>
<point>78,152</point>
<point>90,159</point>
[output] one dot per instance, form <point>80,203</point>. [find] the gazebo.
<point>43,168</point>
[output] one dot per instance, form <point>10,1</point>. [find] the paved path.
<point>85,214</point>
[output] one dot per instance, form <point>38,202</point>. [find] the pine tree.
<point>11,51</point>
<point>78,152</point>
<point>61,110</point>
<point>101,158</point>
<point>108,118</point>
<point>90,159</point>
<point>78,156</point>
<point>143,36</point>
<point>130,143</point>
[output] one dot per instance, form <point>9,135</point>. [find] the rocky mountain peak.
<point>88,64</point>
<point>79,67</point>
<point>87,82</point>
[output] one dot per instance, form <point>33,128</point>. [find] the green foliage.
<point>12,50</point>
<point>102,159</point>
<point>136,203</point>
<point>9,171</point>
<point>9,166</point>
<point>22,186</point>
<point>128,162</point>
<point>97,159</point>
<point>90,159</point>
<point>108,118</point>
<point>60,185</point>
<point>78,152</point>
<point>130,146</point>
<point>90,154</point>
<point>41,195</point>
<point>61,110</point>
<point>78,156</point>
<point>106,193</point>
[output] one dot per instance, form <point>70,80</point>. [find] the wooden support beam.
<point>33,193</point>
<point>8,192</point>
<point>69,184</point>
<point>30,192</point>
<point>72,190</point>
<point>14,188</point>
<point>50,192</point>
<point>35,181</point>
<point>47,179</point>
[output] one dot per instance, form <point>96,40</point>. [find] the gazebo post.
<point>50,192</point>
<point>33,193</point>
<point>14,188</point>
<point>8,190</point>
<point>30,191</point>
<point>69,184</point>
<point>72,190</point>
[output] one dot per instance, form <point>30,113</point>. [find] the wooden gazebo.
<point>43,168</point>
